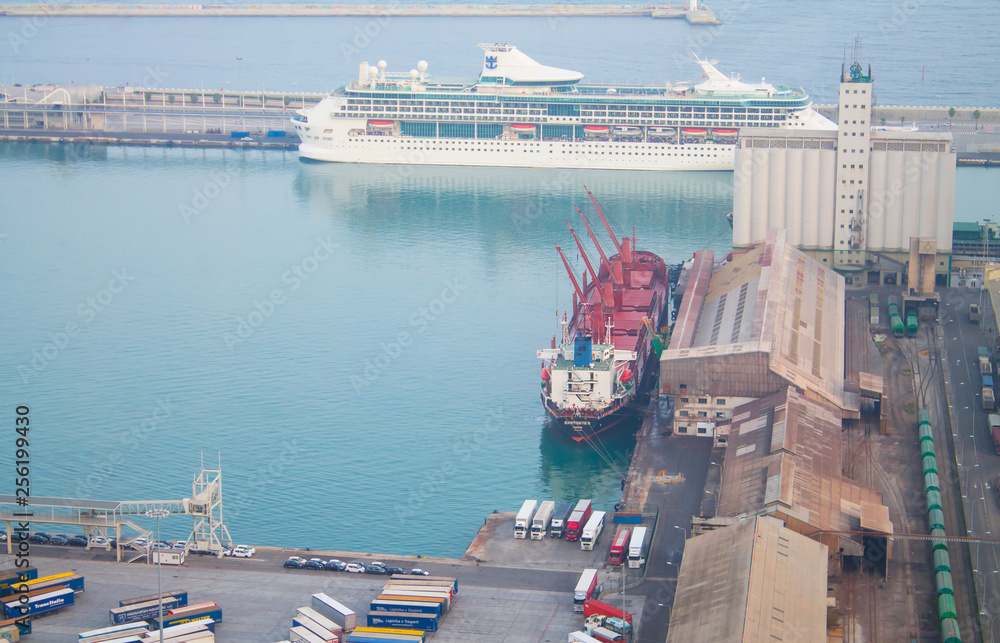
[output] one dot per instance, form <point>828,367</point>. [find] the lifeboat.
<point>662,131</point>
<point>726,132</point>
<point>598,129</point>
<point>523,127</point>
<point>694,130</point>
<point>380,123</point>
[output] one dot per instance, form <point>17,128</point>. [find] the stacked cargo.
<point>414,604</point>
<point>207,614</point>
<point>142,632</point>
<point>33,597</point>
<point>310,626</point>
<point>141,608</point>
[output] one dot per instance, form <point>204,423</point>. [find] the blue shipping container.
<point>15,576</point>
<point>179,594</point>
<point>628,519</point>
<point>143,611</point>
<point>987,381</point>
<point>41,604</point>
<point>276,133</point>
<point>403,621</point>
<point>405,607</point>
<point>239,134</point>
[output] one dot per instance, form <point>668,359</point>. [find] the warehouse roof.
<point>784,457</point>
<point>774,300</point>
<point>752,581</point>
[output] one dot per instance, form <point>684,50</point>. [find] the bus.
<point>637,548</point>
<point>584,589</point>
<point>618,546</point>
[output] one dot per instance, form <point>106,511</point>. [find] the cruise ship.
<point>520,113</point>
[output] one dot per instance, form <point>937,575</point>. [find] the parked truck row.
<point>603,623</point>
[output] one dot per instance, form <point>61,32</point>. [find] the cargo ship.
<point>611,345</point>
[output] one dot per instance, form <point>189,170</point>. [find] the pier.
<point>699,15</point>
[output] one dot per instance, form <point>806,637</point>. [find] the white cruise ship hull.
<point>598,155</point>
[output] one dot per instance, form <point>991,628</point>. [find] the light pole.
<point>239,87</point>
<point>682,530</point>
<point>157,514</point>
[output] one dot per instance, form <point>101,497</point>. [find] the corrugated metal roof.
<point>752,581</point>
<point>772,298</point>
<point>799,474</point>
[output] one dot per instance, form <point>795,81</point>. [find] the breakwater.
<point>701,15</point>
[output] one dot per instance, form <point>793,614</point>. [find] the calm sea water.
<point>357,341</point>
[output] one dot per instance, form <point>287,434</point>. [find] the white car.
<point>99,541</point>
<point>241,552</point>
<point>180,544</point>
<point>252,550</point>
<point>355,568</point>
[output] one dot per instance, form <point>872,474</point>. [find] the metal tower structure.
<point>209,532</point>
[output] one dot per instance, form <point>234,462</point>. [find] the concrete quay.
<point>702,15</point>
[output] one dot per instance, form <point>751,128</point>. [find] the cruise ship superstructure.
<point>519,113</point>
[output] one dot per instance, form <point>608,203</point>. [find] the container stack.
<point>311,626</point>
<point>411,604</point>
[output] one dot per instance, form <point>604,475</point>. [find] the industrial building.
<point>855,199</point>
<point>752,581</point>
<point>770,318</point>
<point>783,459</point>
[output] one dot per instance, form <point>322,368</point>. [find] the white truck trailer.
<point>592,531</point>
<point>541,520</point>
<point>522,523</point>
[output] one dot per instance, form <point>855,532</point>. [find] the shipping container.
<point>135,612</point>
<point>408,607</point>
<point>541,520</point>
<point>180,595</point>
<point>319,618</point>
<point>38,602</point>
<point>637,546</point>
<point>619,546</point>
<point>406,621</point>
<point>299,634</point>
<point>417,579</point>
<point>113,632</point>
<point>577,519</point>
<point>336,612</point>
<point>15,577</point>
<point>66,579</point>
<point>328,636</point>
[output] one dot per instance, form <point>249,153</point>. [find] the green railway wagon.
<point>949,631</point>
<point>911,325</point>
<point>898,330</point>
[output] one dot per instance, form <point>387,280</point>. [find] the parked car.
<point>58,540</point>
<point>180,544</point>
<point>355,568</point>
<point>3,536</point>
<point>395,570</point>
<point>40,538</point>
<point>374,569</point>
<point>241,551</point>
<point>294,563</point>
<point>78,541</point>
<point>248,548</point>
<point>98,541</point>
<point>315,563</point>
<point>419,572</point>
<point>139,543</point>
<point>335,565</point>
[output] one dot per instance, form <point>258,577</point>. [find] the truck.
<point>523,520</point>
<point>541,520</point>
<point>581,637</point>
<point>613,623</point>
<point>989,401</point>
<point>595,607</point>
<point>603,634</point>
<point>584,589</point>
<point>985,366</point>
<point>616,555</point>
<point>592,531</point>
<point>426,622</point>
<point>637,548</point>
<point>577,519</point>
<point>995,430</point>
<point>974,313</point>
<point>557,528</point>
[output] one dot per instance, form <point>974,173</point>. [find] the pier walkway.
<point>702,15</point>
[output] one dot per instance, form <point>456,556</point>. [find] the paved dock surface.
<point>258,596</point>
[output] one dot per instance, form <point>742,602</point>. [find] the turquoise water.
<point>359,341</point>
<point>322,409</point>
